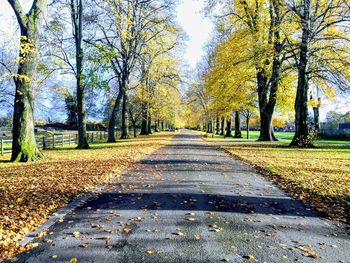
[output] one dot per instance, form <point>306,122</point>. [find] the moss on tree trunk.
<point>24,148</point>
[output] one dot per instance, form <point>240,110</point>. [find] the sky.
<point>197,27</point>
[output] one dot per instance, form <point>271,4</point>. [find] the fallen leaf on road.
<point>197,237</point>
<point>250,257</point>
<point>127,229</point>
<point>308,252</point>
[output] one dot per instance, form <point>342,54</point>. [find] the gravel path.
<point>190,202</point>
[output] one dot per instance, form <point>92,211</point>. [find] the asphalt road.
<point>190,202</point>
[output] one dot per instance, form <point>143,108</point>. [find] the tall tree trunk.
<point>135,129</point>
<point>238,132</point>
<point>24,148</point>
<point>212,125</point>
<point>133,122</point>
<point>217,125</point>
<point>149,124</point>
<point>222,126</point>
<point>247,122</point>
<point>317,118</point>
<point>113,118</point>
<point>301,137</point>
<point>144,119</point>
<point>228,127</point>
<point>125,119</point>
<point>156,129</point>
<point>267,90</point>
<point>162,123</point>
<point>77,20</point>
<point>266,108</point>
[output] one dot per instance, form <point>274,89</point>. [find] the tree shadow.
<point>200,202</point>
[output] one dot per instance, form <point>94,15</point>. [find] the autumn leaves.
<point>30,193</point>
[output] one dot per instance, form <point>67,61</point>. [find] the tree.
<point>257,25</point>
<point>24,147</point>
<point>321,55</point>
<point>77,24</point>
<point>248,113</point>
<point>159,73</point>
<point>72,109</point>
<point>128,27</point>
<point>63,45</point>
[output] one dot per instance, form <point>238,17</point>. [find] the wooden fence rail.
<point>56,140</point>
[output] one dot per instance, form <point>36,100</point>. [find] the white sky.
<point>197,27</point>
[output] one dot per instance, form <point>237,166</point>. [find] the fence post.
<point>2,146</point>
<point>69,139</point>
<point>92,137</point>
<point>53,141</point>
<point>44,143</point>
<point>76,138</point>
<point>62,140</point>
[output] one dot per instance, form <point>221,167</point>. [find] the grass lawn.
<point>281,136</point>
<point>319,176</point>
<point>30,193</point>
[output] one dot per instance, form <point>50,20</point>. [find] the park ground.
<point>32,192</point>
<point>319,176</point>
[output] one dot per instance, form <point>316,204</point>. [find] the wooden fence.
<point>55,140</point>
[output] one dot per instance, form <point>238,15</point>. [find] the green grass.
<point>283,137</point>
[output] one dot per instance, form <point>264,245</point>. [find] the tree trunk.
<point>162,123</point>
<point>125,119</point>
<point>113,118</point>
<point>77,20</point>
<point>267,89</point>
<point>266,108</point>
<point>301,137</point>
<point>149,124</point>
<point>248,120</point>
<point>144,120</point>
<point>135,130</point>
<point>24,148</point>
<point>211,125</point>
<point>156,129</point>
<point>222,126</point>
<point>238,132</point>
<point>228,127</point>
<point>217,125</point>
<point>317,118</point>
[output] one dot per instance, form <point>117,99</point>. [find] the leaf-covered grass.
<point>319,176</point>
<point>30,193</point>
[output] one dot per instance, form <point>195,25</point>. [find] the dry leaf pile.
<point>30,193</point>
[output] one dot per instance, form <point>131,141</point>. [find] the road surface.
<point>191,202</point>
